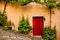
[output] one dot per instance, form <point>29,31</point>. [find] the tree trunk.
<point>5,7</point>
<point>50,17</point>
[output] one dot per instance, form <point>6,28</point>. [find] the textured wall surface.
<point>15,11</point>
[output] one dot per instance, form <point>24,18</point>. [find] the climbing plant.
<point>21,2</point>
<point>50,5</point>
<point>24,2</point>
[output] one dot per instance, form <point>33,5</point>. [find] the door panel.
<point>37,26</point>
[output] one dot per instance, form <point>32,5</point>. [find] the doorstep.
<point>37,38</point>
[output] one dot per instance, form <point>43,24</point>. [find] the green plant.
<point>58,5</point>
<point>3,19</point>
<point>24,2</point>
<point>24,26</point>
<point>12,1</point>
<point>49,34</point>
<point>37,1</point>
<point>6,27</point>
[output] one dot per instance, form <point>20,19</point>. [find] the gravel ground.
<point>12,35</point>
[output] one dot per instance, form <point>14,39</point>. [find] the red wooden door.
<point>37,26</point>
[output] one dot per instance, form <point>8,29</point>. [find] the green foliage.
<point>12,1</point>
<point>38,1</point>
<point>49,3</point>
<point>3,19</point>
<point>24,26</point>
<point>6,27</point>
<point>58,5</point>
<point>24,2</point>
<point>4,22</point>
<point>49,34</point>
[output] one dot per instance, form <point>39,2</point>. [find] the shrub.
<point>6,27</point>
<point>24,26</point>
<point>49,34</point>
<point>3,19</point>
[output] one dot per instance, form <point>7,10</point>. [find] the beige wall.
<point>15,11</point>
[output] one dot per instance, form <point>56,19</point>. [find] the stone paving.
<point>12,35</point>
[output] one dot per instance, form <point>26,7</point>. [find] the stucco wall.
<point>15,11</point>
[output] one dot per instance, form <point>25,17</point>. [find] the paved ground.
<point>12,35</point>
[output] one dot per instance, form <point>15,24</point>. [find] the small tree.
<point>22,2</point>
<point>6,1</point>
<point>24,26</point>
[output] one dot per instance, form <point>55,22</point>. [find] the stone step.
<point>37,38</point>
